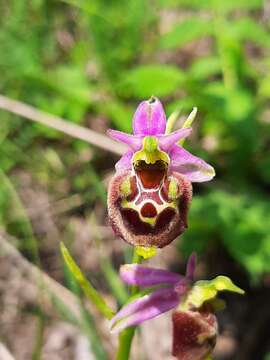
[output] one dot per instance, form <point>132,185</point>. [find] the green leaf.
<point>185,32</point>
<point>203,68</point>
<point>119,114</point>
<point>238,104</point>
<point>147,80</point>
<point>247,29</point>
<point>90,7</point>
<point>85,285</point>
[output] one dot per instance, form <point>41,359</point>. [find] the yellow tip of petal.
<point>188,122</point>
<point>223,283</point>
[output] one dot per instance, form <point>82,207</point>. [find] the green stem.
<point>125,341</point>
<point>126,336</point>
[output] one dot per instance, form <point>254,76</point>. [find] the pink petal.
<point>135,142</point>
<point>145,308</point>
<point>167,141</point>
<point>149,118</point>
<point>134,274</point>
<point>191,265</point>
<point>194,168</point>
<point>125,163</point>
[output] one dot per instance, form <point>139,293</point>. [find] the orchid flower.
<point>194,303</point>
<point>149,197</point>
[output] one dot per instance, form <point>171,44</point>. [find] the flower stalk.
<point>126,336</point>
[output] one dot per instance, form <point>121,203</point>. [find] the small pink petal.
<point>191,265</point>
<point>194,168</point>
<point>134,274</point>
<point>167,141</point>
<point>125,162</point>
<point>134,142</point>
<point>149,118</point>
<point>145,308</point>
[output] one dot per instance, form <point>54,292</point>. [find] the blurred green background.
<point>91,63</point>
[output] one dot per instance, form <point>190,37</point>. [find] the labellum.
<point>148,207</point>
<point>149,196</point>
<point>194,333</point>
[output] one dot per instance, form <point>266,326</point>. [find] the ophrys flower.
<point>149,197</point>
<point>194,322</point>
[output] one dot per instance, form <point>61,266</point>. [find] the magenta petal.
<point>134,274</point>
<point>167,141</point>
<point>149,118</point>
<point>145,308</point>
<point>191,265</point>
<point>194,168</point>
<point>135,142</point>
<point>125,163</point>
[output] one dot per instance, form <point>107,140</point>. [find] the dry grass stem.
<point>76,131</point>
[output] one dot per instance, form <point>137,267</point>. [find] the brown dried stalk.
<point>77,131</point>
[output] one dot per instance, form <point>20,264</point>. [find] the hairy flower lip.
<point>148,235</point>
<point>194,334</point>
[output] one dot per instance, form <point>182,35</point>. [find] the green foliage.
<point>240,221</point>
<point>185,32</point>
<point>146,80</point>
<point>14,219</point>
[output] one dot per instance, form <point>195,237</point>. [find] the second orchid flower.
<point>194,305</point>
